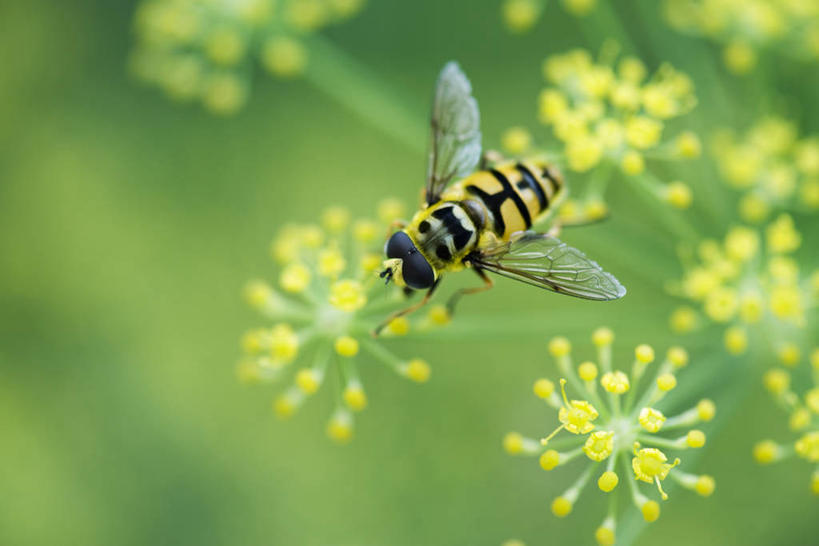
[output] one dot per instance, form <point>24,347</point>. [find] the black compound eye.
<point>399,245</point>
<point>416,270</point>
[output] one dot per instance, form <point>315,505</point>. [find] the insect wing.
<point>456,136</point>
<point>549,263</point>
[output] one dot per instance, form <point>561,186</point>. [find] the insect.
<point>482,221</point>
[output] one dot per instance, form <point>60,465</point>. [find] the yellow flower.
<point>332,316</point>
<point>620,426</point>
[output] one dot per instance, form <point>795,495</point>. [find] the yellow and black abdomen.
<point>515,195</point>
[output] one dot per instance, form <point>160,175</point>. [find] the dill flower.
<point>205,50</point>
<point>772,165</point>
<point>745,28</point>
<point>609,114</point>
<point>802,421</point>
<point>618,423</point>
<point>322,309</point>
<point>750,284</point>
<point>520,16</point>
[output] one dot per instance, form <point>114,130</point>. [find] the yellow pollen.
<point>649,465</point>
<point>399,326</point>
<point>807,446</point>
<point>330,262</point>
<point>766,452</point>
<point>284,344</point>
<point>604,536</point>
<point>799,419</point>
<point>679,195</point>
<point>736,340</point>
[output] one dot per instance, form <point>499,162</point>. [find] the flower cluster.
<point>521,15</point>
<point>772,165</point>
<point>743,28</point>
<point>323,311</point>
<point>608,114</point>
<point>205,49</point>
<point>803,418</point>
<point>616,423</point>
<point>749,279</point>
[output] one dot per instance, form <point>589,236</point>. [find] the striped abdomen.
<point>514,196</point>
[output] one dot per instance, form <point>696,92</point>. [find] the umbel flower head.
<point>743,28</point>
<point>206,49</point>
<point>618,424</point>
<point>771,165</point>
<point>611,115</point>
<point>322,309</point>
<point>521,15</point>
<point>750,280</point>
<point>802,418</point>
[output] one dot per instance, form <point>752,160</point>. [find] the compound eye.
<point>417,272</point>
<point>399,246</point>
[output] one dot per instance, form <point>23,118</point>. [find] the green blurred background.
<point>129,223</point>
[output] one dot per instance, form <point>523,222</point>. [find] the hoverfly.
<point>483,220</point>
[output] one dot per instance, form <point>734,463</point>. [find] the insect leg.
<point>454,298</point>
<point>577,221</point>
<point>408,310</point>
<point>394,225</point>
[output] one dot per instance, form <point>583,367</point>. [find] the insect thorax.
<point>446,232</point>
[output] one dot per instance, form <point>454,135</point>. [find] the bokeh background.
<point>129,224</point>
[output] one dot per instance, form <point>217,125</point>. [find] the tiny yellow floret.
<point>644,353</point>
<point>650,510</point>
<point>439,315</point>
<point>677,356</point>
<point>666,382</point>
<point>513,443</point>
<point>354,397</point>
<point>705,485</point>
<point>418,370</point>
<point>633,163</point>
<point>559,346</point>
<point>776,381</point>
<point>603,337</point>
<point>766,452</point>
<point>399,326</point>
<point>651,419</point>
<point>604,536</point>
<point>706,409</point>
<point>347,295</point>
<point>295,278</point>
<point>599,445</point>
<point>340,429</point>
<point>736,340</point>
<point>587,371</point>
<point>695,438</point>
<point>608,481</point>
<point>516,141</point>
<point>679,195</point>
<point>549,459</point>
<point>543,388</point>
<point>561,507</point>
<point>346,346</point>
<point>615,382</point>
<point>308,380</point>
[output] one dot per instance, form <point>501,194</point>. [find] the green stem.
<point>360,90</point>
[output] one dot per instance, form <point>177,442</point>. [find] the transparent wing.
<point>455,146</point>
<point>549,263</point>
